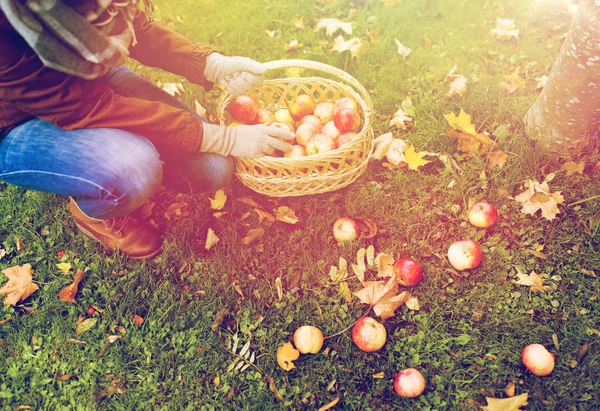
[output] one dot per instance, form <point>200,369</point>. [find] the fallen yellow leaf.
<point>218,202</point>
<point>286,354</point>
<point>415,159</point>
<point>506,404</point>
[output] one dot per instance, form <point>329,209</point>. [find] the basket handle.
<point>325,68</point>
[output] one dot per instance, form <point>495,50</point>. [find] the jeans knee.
<point>221,168</point>
<point>136,177</point>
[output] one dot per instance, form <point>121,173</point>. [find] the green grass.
<point>468,335</point>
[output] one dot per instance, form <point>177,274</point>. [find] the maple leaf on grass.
<point>20,284</point>
<point>415,159</point>
<point>512,82</point>
<point>572,167</point>
<point>392,148</point>
<point>382,296</point>
<point>286,214</point>
<point>353,46</point>
<point>506,404</point>
<point>401,120</point>
<point>533,280</point>
<point>211,239</point>
<point>67,294</point>
<point>218,202</point>
<point>538,197</point>
<point>463,123</point>
<point>333,25</point>
<point>497,158</point>
<point>252,235</point>
<point>458,83</point>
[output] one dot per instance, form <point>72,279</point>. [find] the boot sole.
<point>136,258</point>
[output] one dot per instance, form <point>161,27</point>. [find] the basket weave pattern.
<point>318,173</point>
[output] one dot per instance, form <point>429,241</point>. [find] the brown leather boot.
<point>137,240</point>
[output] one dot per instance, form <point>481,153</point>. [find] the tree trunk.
<point>566,115</point>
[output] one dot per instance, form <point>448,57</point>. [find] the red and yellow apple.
<point>409,383</point>
<point>295,151</point>
<point>331,130</point>
<point>482,214</point>
<point>308,339</point>
<point>464,255</point>
<point>264,116</point>
<point>347,120</point>
<point>305,132</point>
<point>283,116</point>
<point>368,334</point>
<point>345,102</point>
<point>538,359</point>
<point>345,229</point>
<point>408,272</point>
<point>344,138</point>
<point>324,111</point>
<point>302,106</point>
<point>320,143</point>
<point>243,109</point>
<point>310,119</point>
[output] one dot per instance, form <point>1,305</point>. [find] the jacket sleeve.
<point>73,103</point>
<point>159,46</point>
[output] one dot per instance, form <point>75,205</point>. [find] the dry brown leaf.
<point>413,303</point>
<point>572,167</point>
<point>67,294</point>
<point>385,265</point>
<point>274,390</point>
<point>373,35</point>
<point>177,210</point>
<point>506,404</point>
<point>510,389</point>
<point>66,377</point>
<point>497,158</point>
<point>538,254</point>
<point>330,404</point>
<point>279,286</point>
<point>400,119</point>
<point>249,201</point>
<point>458,83</point>
<point>286,214</point>
<point>533,280</point>
<point>333,25</point>
<point>252,235</point>
<point>538,197</point>
<point>382,296</point>
<point>211,239</point>
<point>512,82</point>
<point>353,46</point>
<point>20,284</point>
<point>286,354</point>
<point>293,45</point>
<point>264,215</point>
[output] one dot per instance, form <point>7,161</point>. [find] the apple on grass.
<point>243,109</point>
<point>320,143</point>
<point>347,120</point>
<point>482,214</point>
<point>324,111</point>
<point>302,106</point>
<point>408,272</point>
<point>308,339</point>
<point>409,383</point>
<point>304,133</point>
<point>345,229</point>
<point>464,255</point>
<point>538,359</point>
<point>368,334</point>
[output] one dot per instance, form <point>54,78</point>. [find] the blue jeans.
<point>109,172</point>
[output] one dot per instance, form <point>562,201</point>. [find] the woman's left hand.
<point>237,74</point>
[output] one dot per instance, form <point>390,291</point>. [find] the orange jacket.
<point>28,89</point>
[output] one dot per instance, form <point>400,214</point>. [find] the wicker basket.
<point>318,173</point>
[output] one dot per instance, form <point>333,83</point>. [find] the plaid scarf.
<point>80,37</point>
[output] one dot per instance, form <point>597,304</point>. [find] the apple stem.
<point>350,326</point>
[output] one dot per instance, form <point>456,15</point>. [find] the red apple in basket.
<point>308,339</point>
<point>302,106</point>
<point>320,143</point>
<point>464,255</point>
<point>264,116</point>
<point>344,138</point>
<point>283,116</point>
<point>408,272</point>
<point>244,109</point>
<point>304,133</point>
<point>295,151</point>
<point>331,130</point>
<point>368,334</point>
<point>310,119</point>
<point>347,120</point>
<point>482,214</point>
<point>324,111</point>
<point>345,229</point>
<point>345,102</point>
<point>537,359</point>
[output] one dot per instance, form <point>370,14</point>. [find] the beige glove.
<point>245,141</point>
<point>237,74</point>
